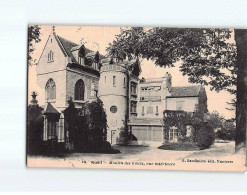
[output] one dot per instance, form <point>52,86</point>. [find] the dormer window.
<point>81,55</point>
<point>96,61</point>
<point>50,56</point>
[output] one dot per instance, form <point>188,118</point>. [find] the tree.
<point>216,120</point>
<point>208,57</point>
<point>96,120</point>
<point>34,127</point>
<point>228,131</point>
<point>241,110</point>
<point>75,126</point>
<point>33,38</point>
<point>87,127</point>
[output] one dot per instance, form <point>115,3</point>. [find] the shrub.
<point>227,131</point>
<point>107,149</point>
<point>87,128</point>
<point>205,136</point>
<point>131,137</point>
<point>122,140</point>
<point>180,146</point>
<point>226,134</point>
<point>34,129</point>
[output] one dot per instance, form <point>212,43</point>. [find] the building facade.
<point>66,70</point>
<point>155,95</point>
<point>118,91</point>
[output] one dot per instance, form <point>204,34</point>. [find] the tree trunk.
<point>241,110</point>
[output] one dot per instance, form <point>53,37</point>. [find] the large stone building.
<point>66,70</point>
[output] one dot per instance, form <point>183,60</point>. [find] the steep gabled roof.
<point>186,91</point>
<point>67,46</point>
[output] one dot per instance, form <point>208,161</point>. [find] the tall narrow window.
<point>173,134</point>
<point>133,88</point>
<point>133,107</point>
<point>157,109</point>
<point>114,81</point>
<point>50,90</point>
<point>105,79</point>
<point>79,90</point>
<point>142,110</point>
<point>50,56</point>
<point>124,82</point>
<point>51,130</point>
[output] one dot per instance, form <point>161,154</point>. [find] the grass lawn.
<point>180,146</point>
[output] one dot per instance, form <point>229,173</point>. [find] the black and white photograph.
<point>136,98</point>
<point>132,96</point>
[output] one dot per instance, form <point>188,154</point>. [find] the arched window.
<point>79,90</point>
<point>50,90</point>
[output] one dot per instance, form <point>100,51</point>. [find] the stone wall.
<point>114,93</point>
<point>188,105</point>
<point>59,61</point>
<point>89,81</point>
<point>59,78</point>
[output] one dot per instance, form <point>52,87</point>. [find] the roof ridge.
<point>67,40</point>
<point>189,86</point>
<point>185,91</point>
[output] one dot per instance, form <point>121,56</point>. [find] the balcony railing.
<point>152,80</point>
<point>150,98</point>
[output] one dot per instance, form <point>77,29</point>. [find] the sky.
<point>97,38</point>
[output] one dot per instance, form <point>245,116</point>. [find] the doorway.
<point>113,137</point>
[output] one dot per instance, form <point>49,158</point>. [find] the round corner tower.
<point>113,92</point>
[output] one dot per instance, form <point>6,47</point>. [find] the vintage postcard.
<point>137,98</point>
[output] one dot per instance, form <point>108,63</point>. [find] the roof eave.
<point>181,96</point>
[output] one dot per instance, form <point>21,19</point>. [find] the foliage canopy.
<point>33,38</point>
<point>208,56</point>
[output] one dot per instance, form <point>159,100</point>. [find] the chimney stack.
<point>168,77</point>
